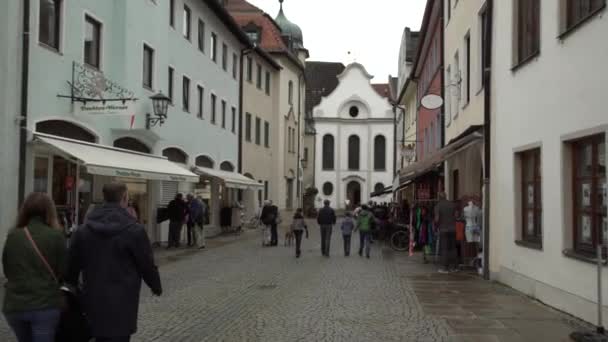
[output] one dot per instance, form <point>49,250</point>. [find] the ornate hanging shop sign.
<point>92,93</point>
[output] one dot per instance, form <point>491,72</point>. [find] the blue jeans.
<point>364,242</point>
<point>34,326</point>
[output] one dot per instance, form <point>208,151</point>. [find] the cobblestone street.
<point>238,291</point>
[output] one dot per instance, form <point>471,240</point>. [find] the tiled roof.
<point>271,36</point>
<point>321,80</point>
<point>245,13</point>
<point>383,89</point>
<point>240,6</point>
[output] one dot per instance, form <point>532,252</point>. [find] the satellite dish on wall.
<point>431,101</point>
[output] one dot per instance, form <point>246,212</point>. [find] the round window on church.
<point>328,189</point>
<point>354,111</point>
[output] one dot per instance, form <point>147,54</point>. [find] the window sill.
<point>571,253</point>
<point>525,61</point>
<point>50,48</point>
<point>529,244</point>
<point>581,22</point>
<point>479,91</point>
<point>92,67</point>
<point>147,88</point>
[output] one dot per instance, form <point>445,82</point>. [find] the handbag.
<point>73,325</point>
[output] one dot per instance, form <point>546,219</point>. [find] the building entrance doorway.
<point>353,193</point>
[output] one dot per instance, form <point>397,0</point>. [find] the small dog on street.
<point>289,238</point>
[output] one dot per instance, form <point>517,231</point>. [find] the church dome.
<point>290,29</point>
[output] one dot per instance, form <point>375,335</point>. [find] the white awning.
<point>232,180</point>
<point>116,162</point>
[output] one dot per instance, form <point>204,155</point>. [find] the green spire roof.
<point>290,29</point>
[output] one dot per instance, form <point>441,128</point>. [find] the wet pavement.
<point>237,290</point>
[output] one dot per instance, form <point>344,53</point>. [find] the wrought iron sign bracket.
<point>89,85</point>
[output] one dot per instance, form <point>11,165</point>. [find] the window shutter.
<point>168,190</point>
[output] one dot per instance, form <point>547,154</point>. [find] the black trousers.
<point>447,248</point>
<point>175,232</point>
<point>190,233</point>
<point>346,244</point>
<point>298,234</point>
<point>113,339</point>
<point>325,239</point>
<point>274,235</point>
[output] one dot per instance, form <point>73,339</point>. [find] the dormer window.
<point>254,32</point>
<point>254,36</point>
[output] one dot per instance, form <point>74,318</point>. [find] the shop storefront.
<point>74,172</point>
<point>421,183</point>
<point>222,189</point>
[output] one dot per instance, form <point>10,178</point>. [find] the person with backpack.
<point>34,261</point>
<point>299,227</point>
<point>112,254</point>
<point>365,224</point>
<point>348,225</point>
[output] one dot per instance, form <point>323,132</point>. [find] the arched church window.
<point>354,152</point>
<point>328,152</point>
<point>380,153</point>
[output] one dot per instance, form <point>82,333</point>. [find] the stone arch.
<point>66,129</point>
<point>132,144</point>
<point>227,166</point>
<point>204,161</point>
<point>176,155</point>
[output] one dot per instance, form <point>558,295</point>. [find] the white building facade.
<point>94,67</point>
<point>355,132</point>
<point>549,127</point>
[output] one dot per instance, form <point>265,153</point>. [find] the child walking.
<point>348,225</point>
<point>298,227</point>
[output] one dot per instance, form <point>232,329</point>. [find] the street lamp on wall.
<point>160,105</point>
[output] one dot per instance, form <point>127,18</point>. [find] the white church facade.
<point>354,141</point>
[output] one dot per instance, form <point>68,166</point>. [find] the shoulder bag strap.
<point>40,255</point>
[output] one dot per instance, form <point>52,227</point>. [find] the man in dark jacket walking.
<point>269,217</point>
<point>177,211</point>
<point>112,252</point>
<point>326,220</point>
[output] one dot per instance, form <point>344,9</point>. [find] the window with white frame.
<point>49,25</point>
<point>187,27</point>
<point>148,67</point>
<point>92,42</point>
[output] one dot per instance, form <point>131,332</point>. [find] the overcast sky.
<point>370,29</point>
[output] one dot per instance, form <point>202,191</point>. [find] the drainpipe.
<point>442,68</point>
<point>394,141</point>
<point>24,99</point>
<point>244,52</point>
<point>487,78</point>
<point>298,182</point>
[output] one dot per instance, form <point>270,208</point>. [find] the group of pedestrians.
<point>362,221</point>
<point>108,257</point>
<point>192,213</point>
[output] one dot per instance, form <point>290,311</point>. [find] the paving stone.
<point>239,291</point>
